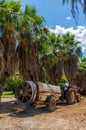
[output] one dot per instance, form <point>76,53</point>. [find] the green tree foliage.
<point>65,47</point>
<point>25,25</point>
<point>10,14</point>
<point>82,65</point>
<point>12,82</point>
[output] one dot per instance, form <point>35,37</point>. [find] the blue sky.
<point>59,17</point>
<point>55,13</point>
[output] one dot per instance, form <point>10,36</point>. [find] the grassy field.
<point>7,94</point>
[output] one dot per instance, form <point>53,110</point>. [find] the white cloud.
<point>79,31</point>
<point>68,18</point>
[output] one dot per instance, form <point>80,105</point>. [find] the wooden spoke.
<point>29,90</point>
<point>22,98</point>
<point>29,95</point>
<point>26,98</point>
<point>19,96</point>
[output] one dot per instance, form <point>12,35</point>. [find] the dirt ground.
<point>66,117</point>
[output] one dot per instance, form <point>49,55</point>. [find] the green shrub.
<point>12,82</point>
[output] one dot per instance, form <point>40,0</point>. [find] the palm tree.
<point>31,35</point>
<point>67,51</point>
<point>9,15</point>
<point>20,35</point>
<point>80,79</point>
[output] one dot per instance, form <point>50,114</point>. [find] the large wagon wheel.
<point>26,92</point>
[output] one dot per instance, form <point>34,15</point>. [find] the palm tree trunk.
<point>2,61</point>
<point>29,66</point>
<point>11,60</point>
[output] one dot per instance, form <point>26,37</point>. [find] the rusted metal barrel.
<point>30,92</point>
